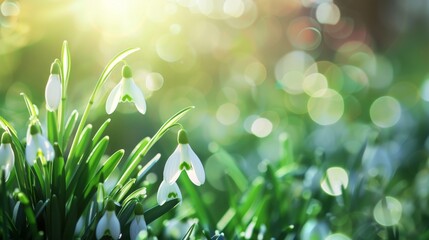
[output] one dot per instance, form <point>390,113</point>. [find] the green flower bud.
<point>55,67</point>
<point>138,210</point>
<point>126,72</point>
<point>110,205</point>
<point>35,129</point>
<point>5,138</point>
<point>182,137</point>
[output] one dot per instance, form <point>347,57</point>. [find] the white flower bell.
<point>126,91</point>
<point>184,158</point>
<point>37,145</point>
<point>138,224</point>
<point>109,223</point>
<point>7,157</point>
<point>53,91</point>
<point>168,191</point>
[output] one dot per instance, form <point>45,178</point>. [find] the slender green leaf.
<point>110,164</point>
<point>228,162</point>
<point>197,202</point>
<point>137,149</point>
<point>52,127</point>
<point>40,207</point>
<point>55,223</point>
<point>138,193</point>
<point>164,128</point>
<point>100,132</point>
<point>84,140</point>
<point>29,213</point>
<point>93,181</point>
<point>96,155</point>
<point>124,190</point>
<point>101,193</point>
<point>69,127</point>
<point>32,110</point>
<point>156,212</point>
<point>71,219</point>
<point>82,145</point>
<point>66,64</point>
<point>146,168</point>
<point>189,232</point>
<point>3,204</point>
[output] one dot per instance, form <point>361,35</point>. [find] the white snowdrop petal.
<point>114,98</point>
<point>53,92</point>
<point>31,150</point>
<point>196,173</point>
<point>137,96</point>
<point>137,225</point>
<point>114,225</point>
<point>7,158</point>
<point>162,194</point>
<point>171,169</point>
<point>165,190</point>
<point>46,147</point>
<point>101,227</point>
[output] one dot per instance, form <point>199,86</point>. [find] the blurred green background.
<point>270,79</point>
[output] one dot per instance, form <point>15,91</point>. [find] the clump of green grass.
<point>52,184</point>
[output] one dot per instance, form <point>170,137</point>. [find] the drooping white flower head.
<point>7,157</point>
<point>184,158</point>
<point>53,91</point>
<point>168,191</point>
<point>37,144</point>
<point>109,223</point>
<point>138,224</point>
<point>126,91</point>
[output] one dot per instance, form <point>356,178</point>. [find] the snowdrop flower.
<point>109,223</point>
<point>37,145</point>
<point>7,157</point>
<point>53,88</point>
<point>126,91</point>
<point>138,224</point>
<point>184,158</point>
<point>168,191</point>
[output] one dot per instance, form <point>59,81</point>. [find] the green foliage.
<point>50,197</point>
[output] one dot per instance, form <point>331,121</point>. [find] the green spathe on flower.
<point>184,158</point>
<point>109,223</point>
<point>126,91</point>
<point>7,157</point>
<point>168,191</point>
<point>37,145</point>
<point>138,224</point>
<point>53,91</point>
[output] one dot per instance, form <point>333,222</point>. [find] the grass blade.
<point>189,232</point>
<point>164,128</point>
<point>69,127</point>
<point>156,212</point>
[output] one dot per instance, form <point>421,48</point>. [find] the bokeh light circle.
<point>154,81</point>
<point>315,84</point>
<point>328,13</point>
<point>388,211</point>
<point>227,114</point>
<point>335,179</point>
<point>385,111</point>
<point>170,48</point>
<point>261,127</point>
<point>233,8</point>
<point>9,8</point>
<point>326,108</point>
